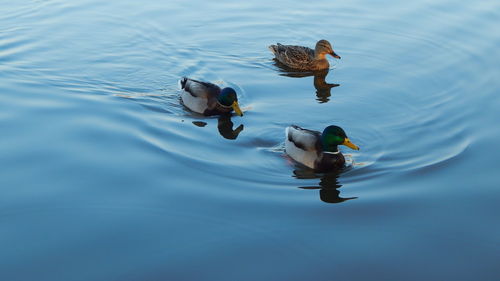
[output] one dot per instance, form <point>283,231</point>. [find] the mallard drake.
<point>317,150</point>
<point>304,58</point>
<point>207,98</point>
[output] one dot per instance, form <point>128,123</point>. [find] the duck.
<point>317,150</point>
<point>207,98</point>
<point>304,58</point>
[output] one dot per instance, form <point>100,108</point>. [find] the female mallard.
<point>317,150</point>
<point>207,98</point>
<point>304,58</point>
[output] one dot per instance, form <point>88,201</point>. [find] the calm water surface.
<point>105,176</point>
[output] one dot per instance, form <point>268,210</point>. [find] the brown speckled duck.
<point>304,58</point>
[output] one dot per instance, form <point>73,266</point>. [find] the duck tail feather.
<point>273,48</point>
<point>182,82</point>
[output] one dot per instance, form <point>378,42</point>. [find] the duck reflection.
<point>199,123</point>
<point>323,88</point>
<point>328,185</point>
<point>225,127</point>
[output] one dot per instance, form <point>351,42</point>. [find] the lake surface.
<point>105,176</point>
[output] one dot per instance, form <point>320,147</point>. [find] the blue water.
<point>105,176</point>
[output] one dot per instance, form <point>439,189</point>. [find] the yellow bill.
<point>236,108</point>
<point>349,144</point>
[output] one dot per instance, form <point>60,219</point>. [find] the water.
<point>105,176</point>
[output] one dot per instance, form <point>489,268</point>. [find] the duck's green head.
<point>228,98</point>
<point>324,47</point>
<point>333,136</point>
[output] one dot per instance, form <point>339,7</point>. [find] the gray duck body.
<point>304,146</point>
<point>202,97</point>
